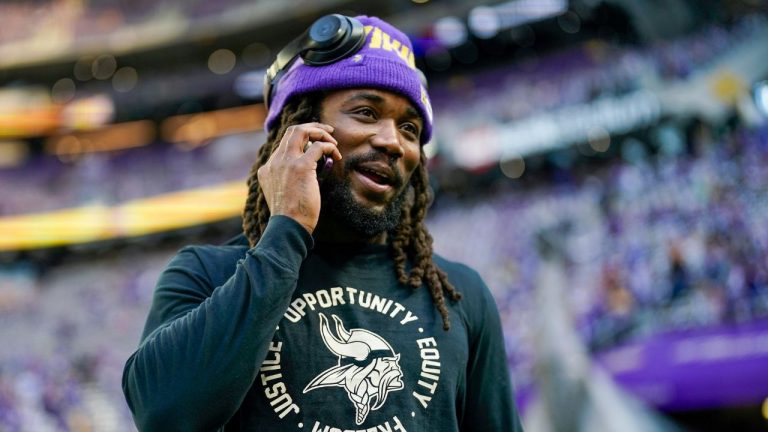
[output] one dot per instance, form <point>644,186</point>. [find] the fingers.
<point>289,178</point>
<point>297,136</point>
<point>317,149</point>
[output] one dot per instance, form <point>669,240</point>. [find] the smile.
<point>373,180</point>
<point>376,175</point>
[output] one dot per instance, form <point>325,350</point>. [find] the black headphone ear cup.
<point>326,32</point>
<point>350,41</point>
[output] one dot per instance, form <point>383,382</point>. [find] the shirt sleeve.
<point>202,345</point>
<point>489,404</point>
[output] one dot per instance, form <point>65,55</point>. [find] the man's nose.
<point>387,138</point>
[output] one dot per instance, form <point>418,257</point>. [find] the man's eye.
<point>410,128</point>
<point>367,112</point>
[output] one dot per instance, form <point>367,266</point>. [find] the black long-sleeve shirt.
<point>290,337</point>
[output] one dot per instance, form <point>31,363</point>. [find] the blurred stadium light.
<point>450,31</point>
<point>27,111</point>
<point>95,223</point>
<point>195,129</point>
<point>13,153</point>
<point>761,97</point>
<point>121,136</point>
<point>487,21</point>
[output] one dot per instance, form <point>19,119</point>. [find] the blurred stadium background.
<point>602,163</point>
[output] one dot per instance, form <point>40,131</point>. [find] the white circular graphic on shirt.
<point>367,367</point>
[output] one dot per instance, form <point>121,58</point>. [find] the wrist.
<point>279,226</point>
<point>306,222</point>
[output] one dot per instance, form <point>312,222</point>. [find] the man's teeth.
<point>379,177</point>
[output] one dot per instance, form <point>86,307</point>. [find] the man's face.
<point>378,135</point>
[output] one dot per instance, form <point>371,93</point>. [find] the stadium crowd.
<point>46,183</point>
<point>579,75</point>
<point>84,21</point>
<point>66,333</point>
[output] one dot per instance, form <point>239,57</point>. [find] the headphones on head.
<point>329,39</point>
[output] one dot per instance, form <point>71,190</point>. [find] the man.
<point>317,320</point>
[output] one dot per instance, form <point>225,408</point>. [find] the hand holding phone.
<point>289,187</point>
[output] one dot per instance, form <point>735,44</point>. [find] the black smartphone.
<point>324,165</point>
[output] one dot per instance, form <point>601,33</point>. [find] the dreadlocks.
<point>410,240</point>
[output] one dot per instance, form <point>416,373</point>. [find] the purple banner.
<point>699,368</point>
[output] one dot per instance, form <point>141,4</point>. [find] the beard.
<point>341,206</point>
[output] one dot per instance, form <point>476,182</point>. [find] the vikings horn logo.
<point>368,368</point>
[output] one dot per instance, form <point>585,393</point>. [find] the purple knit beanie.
<point>385,62</point>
